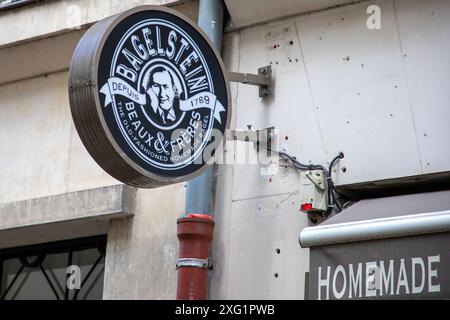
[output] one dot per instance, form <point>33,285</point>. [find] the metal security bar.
<point>40,253</point>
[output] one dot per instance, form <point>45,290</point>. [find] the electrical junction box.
<point>313,192</point>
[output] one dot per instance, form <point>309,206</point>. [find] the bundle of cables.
<point>331,197</point>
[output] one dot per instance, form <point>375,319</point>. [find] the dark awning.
<point>386,248</point>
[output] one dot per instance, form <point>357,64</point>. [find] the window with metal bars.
<point>42,271</point>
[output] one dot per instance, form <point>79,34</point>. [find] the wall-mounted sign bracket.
<point>252,135</point>
<point>263,80</point>
<point>260,137</point>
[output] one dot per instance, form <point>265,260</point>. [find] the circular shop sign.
<point>149,97</point>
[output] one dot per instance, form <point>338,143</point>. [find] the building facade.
<point>368,78</point>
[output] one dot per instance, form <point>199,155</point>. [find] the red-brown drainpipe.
<point>195,233</point>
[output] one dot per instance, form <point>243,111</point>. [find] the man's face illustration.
<point>163,88</point>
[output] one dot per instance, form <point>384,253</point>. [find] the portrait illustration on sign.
<point>164,94</point>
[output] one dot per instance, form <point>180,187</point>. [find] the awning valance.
<point>382,218</point>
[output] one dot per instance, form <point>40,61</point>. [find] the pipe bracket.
<point>194,263</point>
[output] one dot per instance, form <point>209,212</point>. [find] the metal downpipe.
<point>195,230</point>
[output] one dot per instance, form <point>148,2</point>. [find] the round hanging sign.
<point>149,97</point>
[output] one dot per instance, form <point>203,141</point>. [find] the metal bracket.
<point>194,263</point>
<point>250,135</point>
<point>263,136</point>
<point>263,80</point>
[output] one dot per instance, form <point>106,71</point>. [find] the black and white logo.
<point>162,93</point>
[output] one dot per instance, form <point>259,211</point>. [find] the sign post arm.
<point>263,80</point>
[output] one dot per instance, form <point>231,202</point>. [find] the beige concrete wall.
<point>142,250</point>
<point>376,95</point>
<point>40,146</point>
<point>54,17</point>
<point>32,59</point>
<point>46,157</point>
<point>33,52</point>
<point>43,156</point>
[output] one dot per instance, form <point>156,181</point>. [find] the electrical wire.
<point>330,170</point>
<point>331,198</point>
